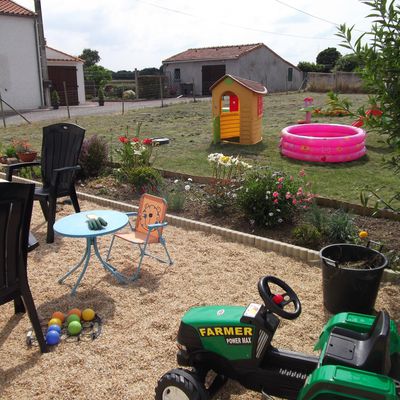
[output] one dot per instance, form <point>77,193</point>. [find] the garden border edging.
<point>308,256</point>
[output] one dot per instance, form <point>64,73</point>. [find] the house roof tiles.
<point>8,7</point>
<point>214,53</point>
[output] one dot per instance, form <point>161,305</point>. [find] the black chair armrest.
<point>59,171</point>
<point>10,168</point>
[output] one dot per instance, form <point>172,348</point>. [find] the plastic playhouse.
<point>237,108</point>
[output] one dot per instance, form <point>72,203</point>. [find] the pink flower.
<point>294,202</point>
<point>276,201</point>
<point>275,194</point>
<point>279,187</point>
<point>281,179</point>
<point>302,173</point>
<point>291,177</point>
<point>288,195</point>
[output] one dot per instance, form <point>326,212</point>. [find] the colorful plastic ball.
<point>74,328</point>
<point>88,314</point>
<point>76,311</point>
<point>59,315</point>
<point>73,317</point>
<point>54,328</point>
<point>55,321</point>
<point>52,338</point>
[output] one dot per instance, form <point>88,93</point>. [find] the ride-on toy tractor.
<point>359,356</point>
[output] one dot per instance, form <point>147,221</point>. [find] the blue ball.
<point>52,338</point>
<point>54,328</point>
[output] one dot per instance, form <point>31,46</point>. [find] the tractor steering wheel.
<point>277,302</point>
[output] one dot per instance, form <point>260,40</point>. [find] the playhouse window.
<point>230,103</point>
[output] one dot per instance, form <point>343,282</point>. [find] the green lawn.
<point>189,127</point>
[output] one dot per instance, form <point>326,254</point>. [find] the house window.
<point>290,74</point>
<point>177,74</point>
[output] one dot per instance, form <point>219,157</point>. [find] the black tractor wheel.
<point>180,384</point>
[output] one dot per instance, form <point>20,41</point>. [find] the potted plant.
<point>55,99</point>
<point>101,96</point>
<point>24,151</point>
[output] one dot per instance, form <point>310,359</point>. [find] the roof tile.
<point>8,7</point>
<point>214,53</point>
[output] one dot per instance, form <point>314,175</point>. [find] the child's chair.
<point>150,221</point>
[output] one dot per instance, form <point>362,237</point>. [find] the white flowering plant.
<point>269,198</point>
<point>227,172</point>
<point>176,193</point>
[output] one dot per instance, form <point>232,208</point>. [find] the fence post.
<point>123,101</point>
<point>194,96</point>
<point>161,91</point>
<point>137,83</point>
<point>2,111</point>
<point>66,98</point>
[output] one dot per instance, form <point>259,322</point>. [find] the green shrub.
<point>307,235</point>
<point>175,195</point>
<point>10,151</point>
<point>269,198</point>
<point>94,156</point>
<point>318,218</point>
<point>144,179</point>
<point>341,228</point>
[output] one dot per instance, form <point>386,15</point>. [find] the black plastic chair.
<point>16,201</point>
<point>61,147</point>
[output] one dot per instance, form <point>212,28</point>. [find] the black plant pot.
<point>55,106</point>
<point>101,102</point>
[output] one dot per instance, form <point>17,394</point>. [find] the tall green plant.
<point>380,57</point>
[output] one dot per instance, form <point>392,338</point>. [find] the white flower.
<point>271,214</point>
<point>266,197</point>
<point>278,210</point>
<point>280,220</point>
<point>187,187</point>
<point>190,179</point>
<point>176,180</point>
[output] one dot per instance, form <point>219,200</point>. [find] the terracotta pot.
<point>27,157</point>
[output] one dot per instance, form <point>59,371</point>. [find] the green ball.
<point>74,328</point>
<point>73,317</point>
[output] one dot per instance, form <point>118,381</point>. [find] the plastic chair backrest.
<point>16,202</point>
<point>152,210</point>
<point>61,147</point>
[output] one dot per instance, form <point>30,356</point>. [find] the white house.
<point>20,74</point>
<point>21,83</point>
<point>202,67</point>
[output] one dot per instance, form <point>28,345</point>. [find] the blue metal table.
<point>76,226</point>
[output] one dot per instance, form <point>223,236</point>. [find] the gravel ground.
<point>140,320</point>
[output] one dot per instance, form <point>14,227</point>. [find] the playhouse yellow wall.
<point>250,122</point>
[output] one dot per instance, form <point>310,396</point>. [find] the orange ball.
<point>59,315</point>
<point>75,311</point>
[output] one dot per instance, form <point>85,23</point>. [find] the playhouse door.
<point>230,117</point>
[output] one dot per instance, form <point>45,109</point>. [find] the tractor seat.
<point>367,351</point>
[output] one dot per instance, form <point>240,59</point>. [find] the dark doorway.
<point>210,75</point>
<point>60,74</point>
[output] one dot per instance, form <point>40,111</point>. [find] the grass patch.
<point>189,128</point>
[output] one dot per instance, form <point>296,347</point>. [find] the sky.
<point>131,34</point>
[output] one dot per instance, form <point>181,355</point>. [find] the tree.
<point>98,74</point>
<point>348,63</point>
<point>306,66</point>
<point>91,57</point>
<point>328,58</point>
<point>381,67</point>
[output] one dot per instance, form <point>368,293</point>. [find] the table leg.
<point>108,267</point>
<point>85,258</point>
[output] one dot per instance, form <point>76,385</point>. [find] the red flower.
<point>123,139</point>
<point>147,141</point>
<point>135,139</point>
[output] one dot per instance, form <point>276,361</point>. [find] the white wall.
<point>19,69</point>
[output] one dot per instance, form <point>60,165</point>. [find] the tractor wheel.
<point>180,384</point>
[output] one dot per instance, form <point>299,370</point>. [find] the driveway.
<point>90,108</point>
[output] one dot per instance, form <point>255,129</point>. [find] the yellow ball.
<point>88,314</point>
<point>363,234</point>
<point>55,321</point>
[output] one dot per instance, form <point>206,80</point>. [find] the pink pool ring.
<point>323,142</point>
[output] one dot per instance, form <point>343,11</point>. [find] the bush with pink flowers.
<point>269,198</point>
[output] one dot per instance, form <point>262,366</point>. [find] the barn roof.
<point>8,7</point>
<point>214,53</point>
<point>247,83</point>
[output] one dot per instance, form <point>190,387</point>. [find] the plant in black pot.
<point>55,99</point>
<point>101,96</point>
